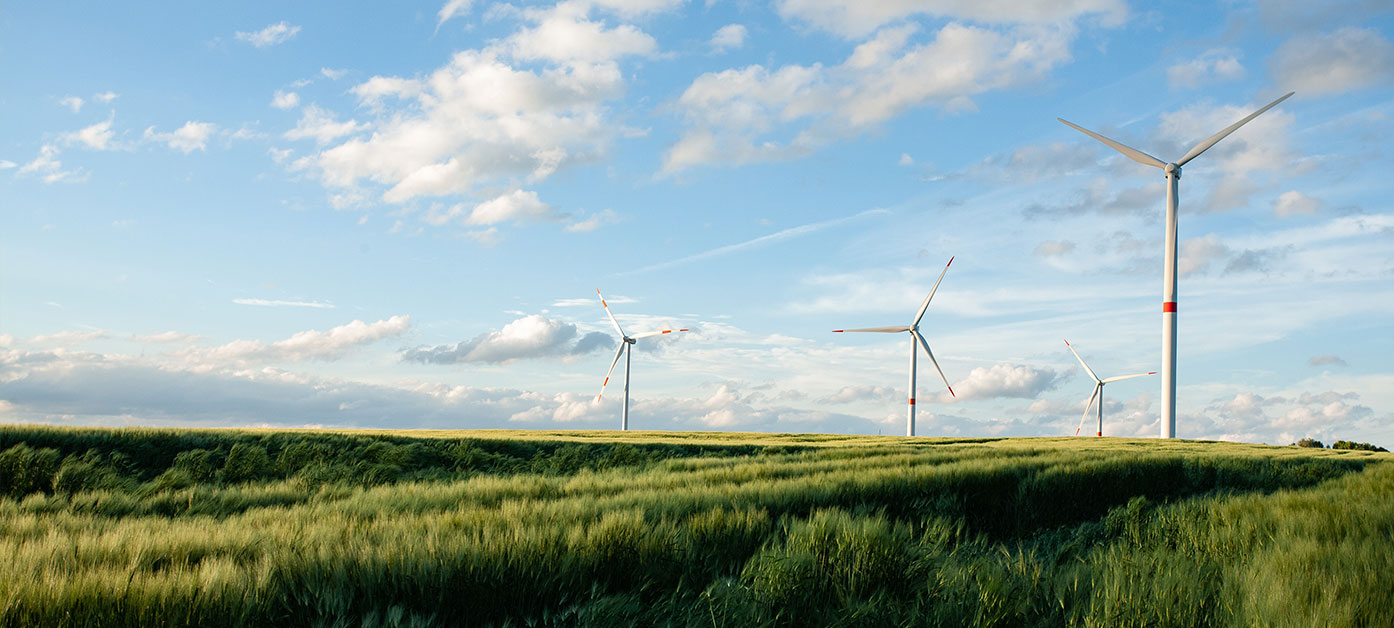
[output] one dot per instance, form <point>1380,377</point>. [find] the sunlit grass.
<point>652,528</point>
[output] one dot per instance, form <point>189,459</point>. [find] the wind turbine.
<point>1098,391</point>
<point>1173,176</point>
<point>625,341</point>
<point>915,339</point>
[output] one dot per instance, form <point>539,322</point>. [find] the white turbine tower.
<point>625,341</point>
<point>916,340</point>
<point>1173,176</point>
<point>1098,391</point>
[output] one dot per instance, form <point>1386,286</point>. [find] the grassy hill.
<point>336,528</point>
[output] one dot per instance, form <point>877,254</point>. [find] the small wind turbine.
<point>1098,391</point>
<point>915,339</point>
<point>625,341</point>
<point>1173,175</point>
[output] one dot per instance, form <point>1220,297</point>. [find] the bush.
<point>1310,442</point>
<point>1345,444</point>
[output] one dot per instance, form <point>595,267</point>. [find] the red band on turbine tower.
<point>912,401</point>
<point>1169,306</point>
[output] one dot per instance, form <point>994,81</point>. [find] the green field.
<point>323,528</point>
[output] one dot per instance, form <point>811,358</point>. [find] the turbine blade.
<point>1081,362</point>
<point>655,333</point>
<point>607,313</point>
<point>619,353</point>
<point>924,306</point>
<point>1123,377</point>
<point>1204,146</point>
<point>1128,151</point>
<point>879,330</point>
<point>1087,406</point>
<point>925,345</point>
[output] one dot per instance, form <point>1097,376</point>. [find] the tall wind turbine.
<point>1098,390</point>
<point>625,341</point>
<point>915,339</point>
<point>1173,175</point>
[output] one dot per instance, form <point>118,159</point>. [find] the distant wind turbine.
<point>1173,175</point>
<point>1098,391</point>
<point>916,340</point>
<point>625,341</point>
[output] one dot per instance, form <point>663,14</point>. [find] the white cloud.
<point>728,37</point>
<point>529,337</point>
<point>106,96</point>
<point>1214,66</point>
<point>186,139</point>
<point>285,100</point>
<point>72,102</point>
<point>1333,63</point>
<point>742,115</point>
<point>1197,254</point>
<point>306,345</point>
<point>565,34</point>
<point>1054,248</point>
<point>594,221</point>
<point>69,338</point>
<point>320,125</point>
<point>1178,131</point>
<point>333,74</point>
<point>6,164</point>
<point>278,303</point>
<point>452,9</point>
<point>1002,380</point>
<point>95,137</point>
<point>1292,202</point>
<point>167,337</point>
<point>906,160</point>
<point>48,166</point>
<point>476,120</point>
<point>518,205</point>
<point>853,18</point>
<point>859,394</point>
<point>272,35</point>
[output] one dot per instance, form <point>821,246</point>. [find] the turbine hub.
<point>1172,168</point>
<point>629,340</point>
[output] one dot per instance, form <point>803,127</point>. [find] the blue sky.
<point>396,215</point>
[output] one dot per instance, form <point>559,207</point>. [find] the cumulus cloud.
<point>285,100</point>
<point>1214,66</point>
<point>69,338</point>
<point>858,394</point>
<point>1003,380</point>
<point>318,124</point>
<point>564,33</point>
<point>476,120</point>
<point>306,345</point>
<point>742,115</point>
<point>72,102</point>
<point>96,137</point>
<point>106,96</point>
<point>1333,63</point>
<point>1292,202</point>
<point>852,18</point>
<point>186,139</point>
<point>272,35</point>
<point>1178,131</point>
<point>533,336</point>
<point>728,37</point>
<point>594,221</point>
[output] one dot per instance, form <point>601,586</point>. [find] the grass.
<point>310,528</point>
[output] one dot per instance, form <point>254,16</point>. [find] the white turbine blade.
<point>1203,146</point>
<point>619,353</point>
<point>1128,151</point>
<point>925,345</point>
<point>1087,406</point>
<point>1123,377</point>
<point>1081,362</point>
<point>879,330</point>
<point>655,333</point>
<point>607,312</point>
<point>924,306</point>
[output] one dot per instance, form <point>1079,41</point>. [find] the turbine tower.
<point>916,342</point>
<point>625,341</point>
<point>1173,176</point>
<point>1098,390</point>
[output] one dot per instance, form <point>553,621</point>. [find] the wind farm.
<point>301,314</point>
